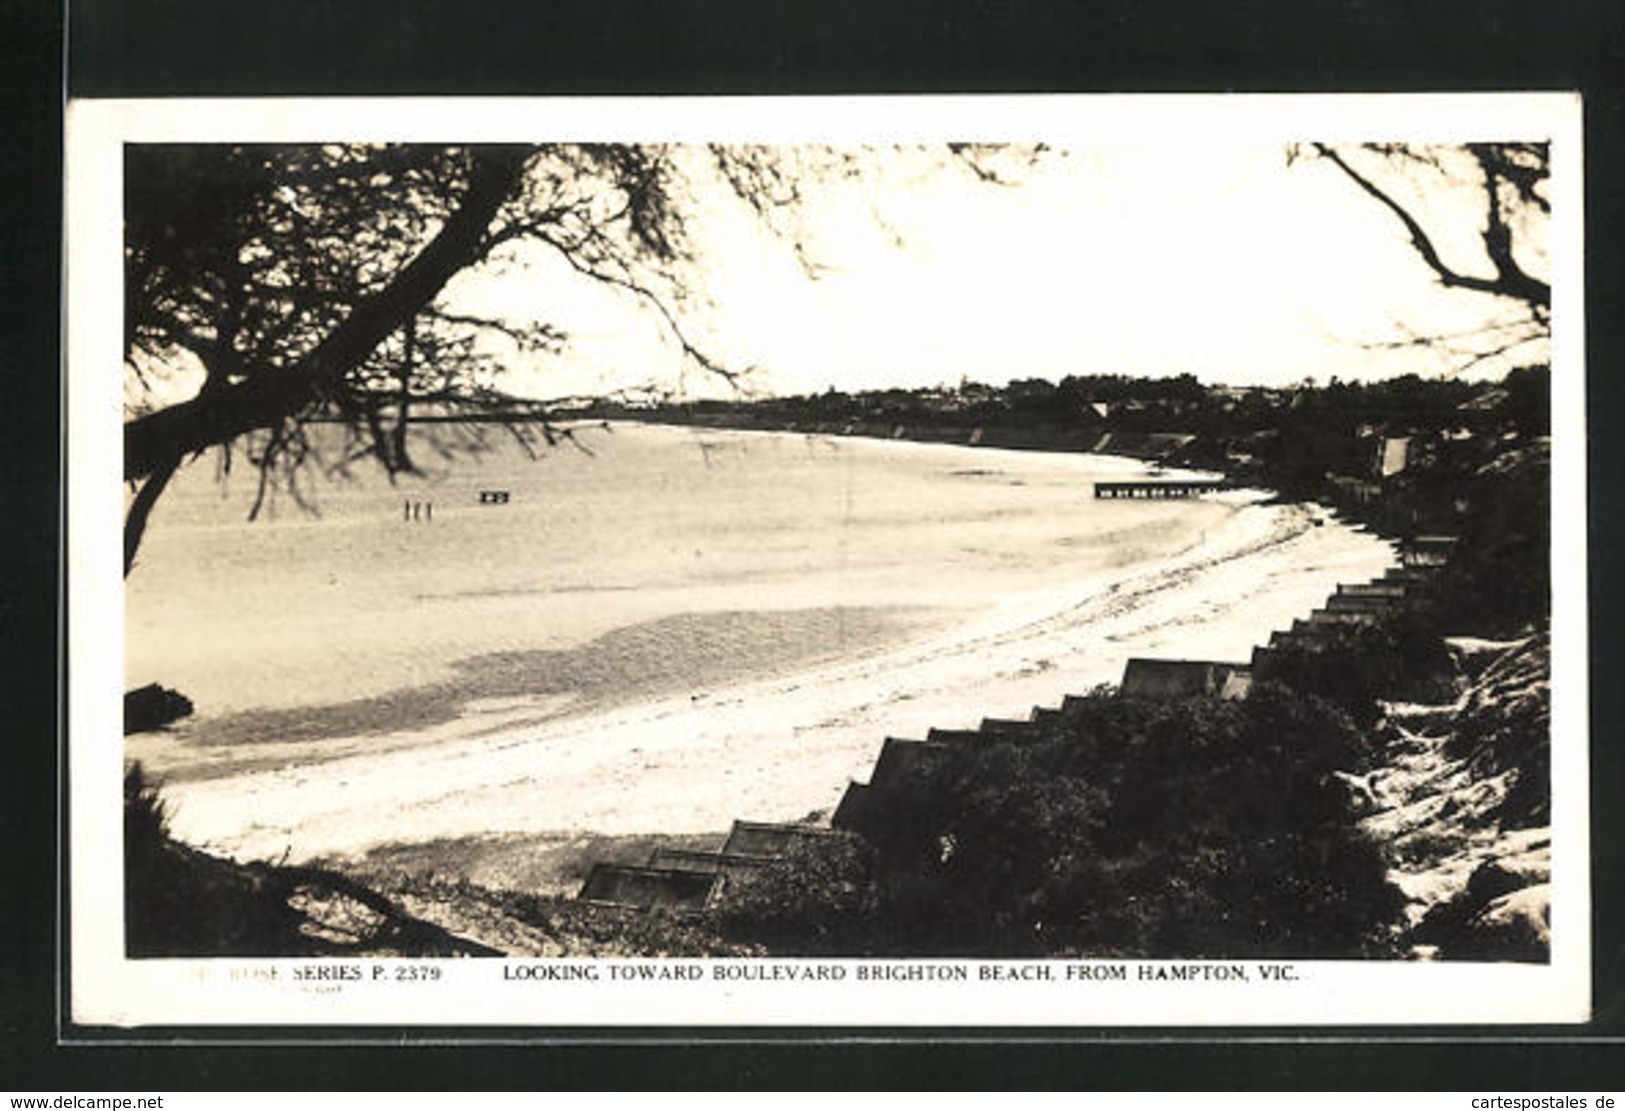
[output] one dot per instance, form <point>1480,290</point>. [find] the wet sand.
<point>784,656</point>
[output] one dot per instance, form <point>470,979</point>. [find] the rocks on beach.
<point>153,707</point>
<point>1465,803</point>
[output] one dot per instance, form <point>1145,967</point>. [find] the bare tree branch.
<point>307,281</point>
<point>648,297</point>
<point>1510,280</point>
<point>189,427</point>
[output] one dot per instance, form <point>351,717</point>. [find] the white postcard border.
<point>108,989</point>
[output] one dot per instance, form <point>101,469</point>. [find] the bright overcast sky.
<point>1159,236</point>
<point>1156,259</point>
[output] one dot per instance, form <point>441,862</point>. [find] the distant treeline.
<point>1104,403</point>
<point>1284,428</point>
<point>1407,455</point>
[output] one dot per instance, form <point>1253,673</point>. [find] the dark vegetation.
<point>1191,828</point>
<point>1398,658</point>
<point>551,925</point>
<point>183,902</point>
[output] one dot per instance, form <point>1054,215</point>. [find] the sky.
<point>1157,236</point>
<point>1207,256</point>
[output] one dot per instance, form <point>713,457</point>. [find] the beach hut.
<point>768,838</point>
<point>629,885</point>
<point>1149,678</point>
<point>727,865</point>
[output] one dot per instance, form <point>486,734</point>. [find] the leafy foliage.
<point>255,260</point>
<point>1510,181</point>
<point>181,902</point>
<point>817,900</point>
<point>1500,580</point>
<point>314,281</point>
<point>1400,657</point>
<point>1166,829</point>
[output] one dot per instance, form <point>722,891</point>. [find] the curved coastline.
<point>784,746</point>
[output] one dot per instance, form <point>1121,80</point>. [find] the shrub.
<point>1499,579</point>
<point>818,900</point>
<point>180,902</point>
<point>1399,657</point>
<point>1162,829</point>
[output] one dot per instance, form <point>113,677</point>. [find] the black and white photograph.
<point>933,560</point>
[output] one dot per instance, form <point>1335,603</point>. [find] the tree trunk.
<point>399,460</point>
<point>266,399</point>
<point>135,522</point>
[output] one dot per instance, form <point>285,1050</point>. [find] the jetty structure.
<point>689,880</point>
<point>1160,488</point>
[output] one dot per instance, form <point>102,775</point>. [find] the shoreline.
<point>851,528</point>
<point>783,747</point>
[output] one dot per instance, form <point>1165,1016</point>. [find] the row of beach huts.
<point>687,879</point>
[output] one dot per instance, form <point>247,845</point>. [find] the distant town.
<point>1349,443</point>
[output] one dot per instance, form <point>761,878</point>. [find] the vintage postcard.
<point>910,562</point>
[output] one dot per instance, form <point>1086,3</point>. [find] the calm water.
<point>668,560</point>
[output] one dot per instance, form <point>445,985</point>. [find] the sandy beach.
<point>799,666</point>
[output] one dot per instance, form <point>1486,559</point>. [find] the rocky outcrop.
<point>153,707</point>
<point>1464,800</point>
